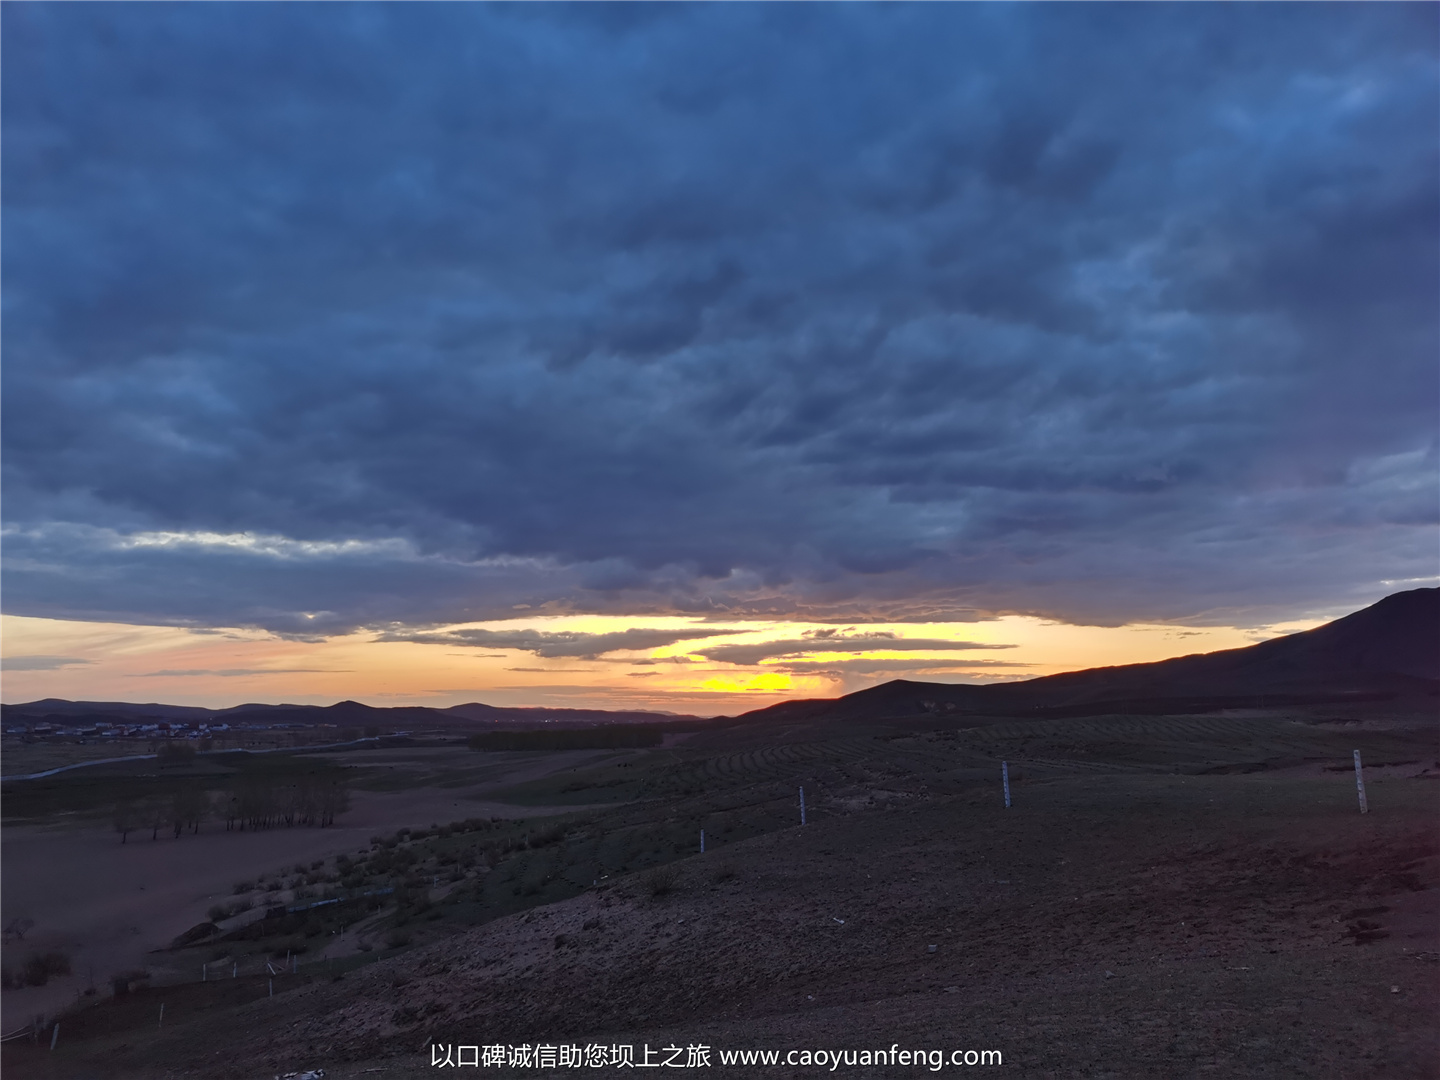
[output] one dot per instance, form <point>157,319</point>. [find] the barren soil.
<point>109,904</point>
<point>1122,919</point>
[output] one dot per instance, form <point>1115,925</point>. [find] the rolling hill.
<point>1390,649</point>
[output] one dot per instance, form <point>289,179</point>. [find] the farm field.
<point>1167,896</point>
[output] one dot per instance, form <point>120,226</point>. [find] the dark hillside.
<point>1389,649</point>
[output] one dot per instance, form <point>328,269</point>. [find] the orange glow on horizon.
<point>216,669</point>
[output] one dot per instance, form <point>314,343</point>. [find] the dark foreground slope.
<point>1389,650</point>
<point>1121,920</point>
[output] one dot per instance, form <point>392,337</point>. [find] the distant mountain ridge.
<point>342,713</point>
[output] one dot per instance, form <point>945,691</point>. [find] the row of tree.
<point>252,803</point>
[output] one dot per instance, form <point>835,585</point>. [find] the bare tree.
<point>256,803</point>
<point>188,805</point>
<point>175,752</point>
<point>155,815</point>
<point>126,818</point>
<point>334,801</point>
<point>227,806</point>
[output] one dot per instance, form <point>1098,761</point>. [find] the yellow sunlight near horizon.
<point>220,668</point>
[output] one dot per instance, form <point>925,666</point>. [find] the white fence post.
<point>702,841</point>
<point>1360,784</point>
<point>802,806</point>
<point>1005,778</point>
<point>55,1036</point>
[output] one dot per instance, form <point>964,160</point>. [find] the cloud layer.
<point>748,653</point>
<point>39,663</point>
<point>322,317</point>
<point>558,643</point>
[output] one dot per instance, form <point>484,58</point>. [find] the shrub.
<point>122,982</point>
<point>244,887</point>
<point>39,968</point>
<point>175,753</point>
<point>661,880</point>
<point>552,834</point>
<point>722,873</point>
<point>597,738</point>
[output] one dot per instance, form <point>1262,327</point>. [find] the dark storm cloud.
<point>557,643</point>
<point>746,653</point>
<point>1096,312</point>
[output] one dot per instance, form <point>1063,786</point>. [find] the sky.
<point>694,357</point>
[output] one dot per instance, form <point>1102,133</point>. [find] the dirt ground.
<point>1162,900</point>
<point>109,904</point>
<point>1141,927</point>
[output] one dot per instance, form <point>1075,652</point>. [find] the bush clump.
<point>217,912</point>
<point>120,984</point>
<point>39,968</point>
<point>661,880</point>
